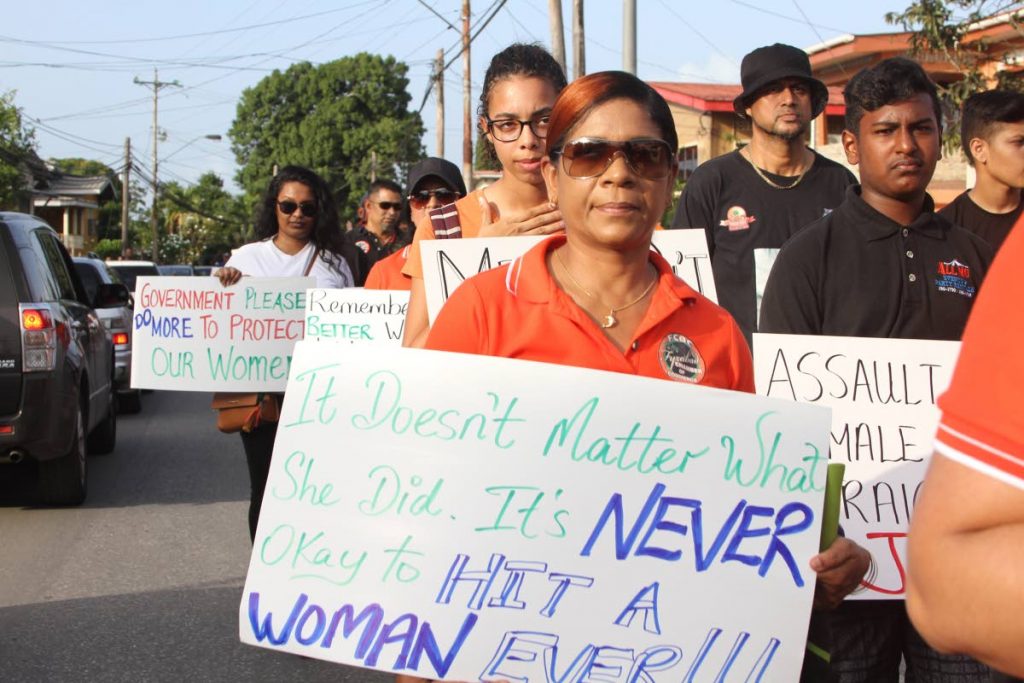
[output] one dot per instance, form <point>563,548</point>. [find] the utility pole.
<point>629,36</point>
<point>579,57</point>
<point>125,199</point>
<point>373,166</point>
<point>156,84</point>
<point>467,116</point>
<point>439,125</point>
<point>557,31</point>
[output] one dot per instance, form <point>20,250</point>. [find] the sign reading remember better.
<point>193,334</point>
<point>882,393</point>
<point>475,518</point>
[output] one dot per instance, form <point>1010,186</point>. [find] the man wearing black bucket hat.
<point>752,200</point>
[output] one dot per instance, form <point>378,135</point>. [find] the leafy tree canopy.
<point>205,220</point>
<point>16,142</point>
<point>330,118</point>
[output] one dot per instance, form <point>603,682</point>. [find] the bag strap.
<point>444,220</point>
<point>312,260</point>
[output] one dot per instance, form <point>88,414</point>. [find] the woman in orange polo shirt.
<point>598,296</point>
<point>519,90</point>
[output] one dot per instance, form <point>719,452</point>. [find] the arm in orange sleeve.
<point>461,326</point>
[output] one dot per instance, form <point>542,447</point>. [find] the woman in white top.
<point>299,235</point>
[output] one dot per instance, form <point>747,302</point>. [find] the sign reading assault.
<point>193,334</point>
<point>882,393</point>
<point>532,522</point>
<point>446,263</point>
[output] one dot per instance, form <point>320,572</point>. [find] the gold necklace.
<point>771,182</point>
<point>609,320</point>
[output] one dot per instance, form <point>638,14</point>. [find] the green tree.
<point>330,118</point>
<point>205,220</point>
<point>938,28</point>
<point>16,141</point>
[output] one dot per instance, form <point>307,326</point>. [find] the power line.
<point>698,33</point>
<point>785,16</point>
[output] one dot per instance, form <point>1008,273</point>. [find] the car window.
<point>58,272</point>
<point>90,278</point>
<point>8,295</point>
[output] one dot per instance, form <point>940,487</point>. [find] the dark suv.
<point>56,360</point>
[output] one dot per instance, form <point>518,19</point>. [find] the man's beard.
<point>785,135</point>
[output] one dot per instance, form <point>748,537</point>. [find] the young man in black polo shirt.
<point>749,202</point>
<point>992,136</point>
<point>883,264</point>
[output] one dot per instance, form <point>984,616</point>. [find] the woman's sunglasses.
<point>420,199</point>
<point>590,157</point>
<point>287,207</point>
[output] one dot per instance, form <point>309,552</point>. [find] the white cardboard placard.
<point>475,518</point>
<point>447,263</point>
<point>356,315</point>
<point>882,393</point>
<point>193,334</point>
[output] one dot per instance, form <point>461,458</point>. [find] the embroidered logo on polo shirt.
<point>680,359</point>
<point>364,245</point>
<point>736,218</point>
<point>955,277</point>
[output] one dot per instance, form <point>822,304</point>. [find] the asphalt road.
<point>142,582</point>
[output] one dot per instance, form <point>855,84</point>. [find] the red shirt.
<point>518,311</point>
<point>387,273</point>
<point>982,412</point>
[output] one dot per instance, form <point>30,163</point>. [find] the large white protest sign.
<point>475,518</point>
<point>193,334</point>
<point>446,263</point>
<point>882,393</point>
<point>356,315</point>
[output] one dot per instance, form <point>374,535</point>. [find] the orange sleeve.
<point>387,274</point>
<point>461,324</point>
<point>983,412</point>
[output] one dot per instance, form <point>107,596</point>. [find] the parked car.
<point>93,273</point>
<point>129,270</point>
<point>57,397</point>
<point>177,269</point>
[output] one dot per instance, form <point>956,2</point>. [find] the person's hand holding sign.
<point>839,569</point>
<point>228,276</point>
<point>543,219</point>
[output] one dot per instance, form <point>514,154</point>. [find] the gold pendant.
<point>609,321</point>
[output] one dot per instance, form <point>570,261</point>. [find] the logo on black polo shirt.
<point>736,218</point>
<point>680,359</point>
<point>955,277</point>
<point>364,245</point>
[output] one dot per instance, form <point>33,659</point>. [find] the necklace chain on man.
<point>609,320</point>
<point>771,182</point>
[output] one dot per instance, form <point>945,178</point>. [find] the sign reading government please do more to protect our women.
<point>882,393</point>
<point>193,334</point>
<point>474,518</point>
<point>447,263</point>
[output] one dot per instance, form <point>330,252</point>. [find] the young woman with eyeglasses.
<point>519,90</point>
<point>299,235</point>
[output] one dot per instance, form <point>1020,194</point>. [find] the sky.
<point>73,65</point>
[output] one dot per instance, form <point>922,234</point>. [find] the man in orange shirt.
<point>965,589</point>
<point>433,183</point>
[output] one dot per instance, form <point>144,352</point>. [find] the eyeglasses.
<point>287,207</point>
<point>388,206</point>
<point>420,199</point>
<point>590,157</point>
<point>509,130</point>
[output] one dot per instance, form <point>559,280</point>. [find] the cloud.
<point>716,69</point>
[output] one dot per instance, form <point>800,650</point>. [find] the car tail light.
<point>6,430</point>
<point>120,338</point>
<point>38,339</point>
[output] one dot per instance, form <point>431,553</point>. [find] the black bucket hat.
<point>771,63</point>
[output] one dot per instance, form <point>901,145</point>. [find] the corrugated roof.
<point>77,186</point>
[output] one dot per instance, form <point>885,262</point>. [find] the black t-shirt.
<point>747,220</point>
<point>369,249</point>
<point>991,227</point>
<point>857,273</point>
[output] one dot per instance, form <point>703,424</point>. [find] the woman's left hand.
<point>839,569</point>
<point>228,275</point>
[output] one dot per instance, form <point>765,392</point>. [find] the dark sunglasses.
<point>287,207</point>
<point>420,199</point>
<point>388,206</point>
<point>590,157</point>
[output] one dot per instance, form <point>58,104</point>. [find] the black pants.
<point>870,637</point>
<point>259,446</point>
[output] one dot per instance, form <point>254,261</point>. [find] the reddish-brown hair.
<point>584,94</point>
